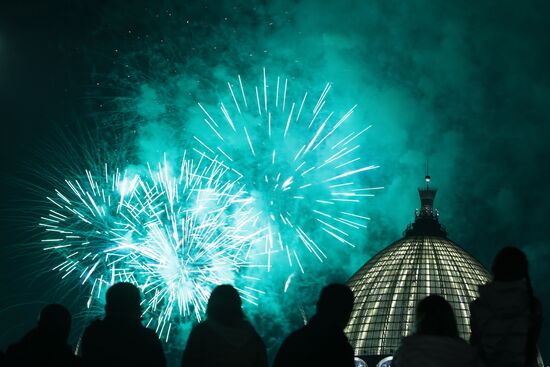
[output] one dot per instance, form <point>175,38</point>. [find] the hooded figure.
<point>436,341</point>
<point>506,318</point>
<point>225,338</point>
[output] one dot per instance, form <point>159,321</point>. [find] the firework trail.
<point>175,236</point>
<point>300,162</point>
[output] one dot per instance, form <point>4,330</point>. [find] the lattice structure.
<point>389,286</point>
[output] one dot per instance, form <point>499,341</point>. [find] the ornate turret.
<point>426,222</point>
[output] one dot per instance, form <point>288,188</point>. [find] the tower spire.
<point>427,196</point>
<point>426,219</point>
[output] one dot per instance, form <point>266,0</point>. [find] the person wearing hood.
<point>506,319</point>
<point>436,341</point>
<point>46,344</point>
<point>120,339</point>
<point>225,338</point>
<point>322,341</point>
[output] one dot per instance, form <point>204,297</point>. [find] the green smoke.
<point>463,86</point>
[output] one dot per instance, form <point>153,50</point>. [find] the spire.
<point>427,196</point>
<point>427,218</point>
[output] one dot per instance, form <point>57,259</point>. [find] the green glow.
<point>176,233</point>
<point>293,161</point>
<point>465,87</point>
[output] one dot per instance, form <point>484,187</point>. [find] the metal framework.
<point>389,286</point>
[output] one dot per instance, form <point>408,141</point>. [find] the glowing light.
<point>175,235</point>
<point>297,160</point>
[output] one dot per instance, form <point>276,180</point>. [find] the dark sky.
<point>463,84</point>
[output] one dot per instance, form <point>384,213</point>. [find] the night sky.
<point>465,85</point>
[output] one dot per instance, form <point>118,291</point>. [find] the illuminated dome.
<point>388,287</point>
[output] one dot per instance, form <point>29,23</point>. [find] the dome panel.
<point>388,287</point>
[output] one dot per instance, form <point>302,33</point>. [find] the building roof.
<point>389,286</point>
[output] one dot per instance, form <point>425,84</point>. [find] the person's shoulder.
<point>252,330</point>
<point>95,324</point>
<point>537,304</point>
<point>31,339</point>
<point>14,349</point>
<point>475,303</point>
<point>538,313</point>
<point>298,335</point>
<point>478,307</point>
<point>292,346</point>
<point>148,333</point>
<point>203,325</point>
<point>94,327</point>
<point>435,350</point>
<point>406,343</point>
<point>202,328</point>
<point>441,342</point>
<point>247,325</point>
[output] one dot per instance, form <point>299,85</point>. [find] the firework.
<point>176,236</point>
<point>301,163</point>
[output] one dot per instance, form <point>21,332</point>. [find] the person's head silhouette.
<point>55,320</point>
<point>336,303</point>
<point>123,300</point>
<point>435,316</point>
<point>510,265</point>
<point>224,305</point>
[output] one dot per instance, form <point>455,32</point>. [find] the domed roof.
<point>389,286</point>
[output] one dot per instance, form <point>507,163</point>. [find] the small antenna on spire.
<point>428,178</point>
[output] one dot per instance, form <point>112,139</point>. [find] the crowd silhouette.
<point>506,321</point>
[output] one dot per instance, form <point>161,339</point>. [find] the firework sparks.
<point>174,235</point>
<point>300,162</point>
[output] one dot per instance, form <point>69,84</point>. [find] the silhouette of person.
<point>322,341</point>
<point>436,341</point>
<point>506,319</point>
<point>120,339</point>
<point>46,344</point>
<point>225,338</point>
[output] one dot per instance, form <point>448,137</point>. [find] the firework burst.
<point>176,236</point>
<point>301,163</point>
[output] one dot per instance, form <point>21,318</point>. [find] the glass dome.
<point>389,286</point>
